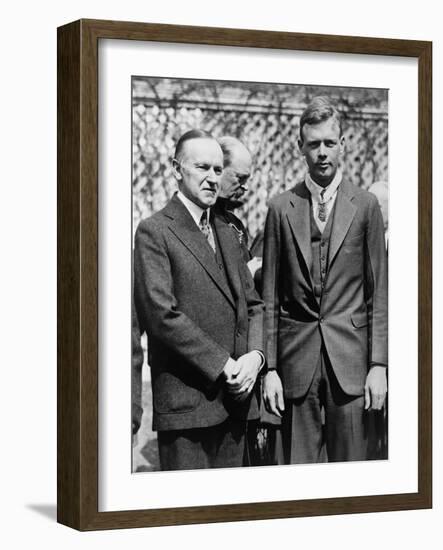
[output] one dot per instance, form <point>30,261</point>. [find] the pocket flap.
<point>359,320</point>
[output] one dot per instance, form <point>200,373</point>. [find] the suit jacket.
<point>195,317</point>
<point>240,231</point>
<point>136,373</point>
<point>351,317</point>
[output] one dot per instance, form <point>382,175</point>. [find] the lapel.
<point>344,214</point>
<point>230,253</point>
<point>299,220</point>
<point>186,230</point>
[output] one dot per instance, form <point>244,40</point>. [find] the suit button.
<point>237,332</point>
<point>321,319</point>
<point>220,266</point>
<point>322,244</point>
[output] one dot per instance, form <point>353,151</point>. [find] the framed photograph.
<point>248,381</point>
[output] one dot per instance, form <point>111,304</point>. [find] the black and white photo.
<point>250,362</point>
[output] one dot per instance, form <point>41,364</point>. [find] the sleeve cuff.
<point>375,364</point>
<point>262,359</point>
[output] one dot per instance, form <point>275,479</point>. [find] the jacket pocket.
<point>359,320</point>
<point>354,239</point>
<point>286,324</point>
<point>171,395</point>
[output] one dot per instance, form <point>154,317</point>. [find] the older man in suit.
<point>325,292</point>
<point>237,168</point>
<point>195,298</point>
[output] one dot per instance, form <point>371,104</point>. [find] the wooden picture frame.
<point>78,465</point>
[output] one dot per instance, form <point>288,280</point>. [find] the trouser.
<point>325,417</point>
<point>220,446</point>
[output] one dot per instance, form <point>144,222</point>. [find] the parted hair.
<point>319,109</point>
<point>187,136</point>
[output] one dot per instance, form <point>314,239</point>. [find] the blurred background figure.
<point>379,421</point>
<point>237,170</point>
<point>381,190</point>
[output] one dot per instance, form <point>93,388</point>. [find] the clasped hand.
<point>240,375</point>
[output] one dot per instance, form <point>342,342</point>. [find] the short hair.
<point>187,136</point>
<point>228,145</point>
<point>319,110</point>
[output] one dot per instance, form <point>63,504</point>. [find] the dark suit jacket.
<point>352,316</point>
<point>239,230</point>
<point>194,318</point>
<point>136,372</point>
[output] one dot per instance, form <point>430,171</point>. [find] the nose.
<point>212,176</point>
<point>243,182</point>
<point>322,150</point>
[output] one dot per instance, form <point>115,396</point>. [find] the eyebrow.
<point>208,164</point>
<point>313,141</point>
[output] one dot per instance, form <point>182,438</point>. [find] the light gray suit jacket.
<point>352,316</point>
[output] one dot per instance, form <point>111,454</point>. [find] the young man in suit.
<point>325,292</point>
<point>196,301</point>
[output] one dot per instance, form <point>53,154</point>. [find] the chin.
<point>324,178</point>
<point>325,174</point>
<point>236,203</point>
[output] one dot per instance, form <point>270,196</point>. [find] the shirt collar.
<point>316,189</point>
<point>195,210</point>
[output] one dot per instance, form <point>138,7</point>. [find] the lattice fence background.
<point>265,117</point>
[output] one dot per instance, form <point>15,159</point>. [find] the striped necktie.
<point>206,229</point>
<point>322,210</point>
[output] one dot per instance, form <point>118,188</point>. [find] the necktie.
<point>206,229</point>
<point>322,211</point>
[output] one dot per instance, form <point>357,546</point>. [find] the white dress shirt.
<point>329,196</point>
<point>196,213</point>
<point>195,210</point>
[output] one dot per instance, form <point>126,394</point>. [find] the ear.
<point>300,146</point>
<point>176,169</point>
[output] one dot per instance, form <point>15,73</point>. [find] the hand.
<point>254,265</point>
<point>375,388</point>
<point>241,384</point>
<point>230,370</point>
<point>273,393</point>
